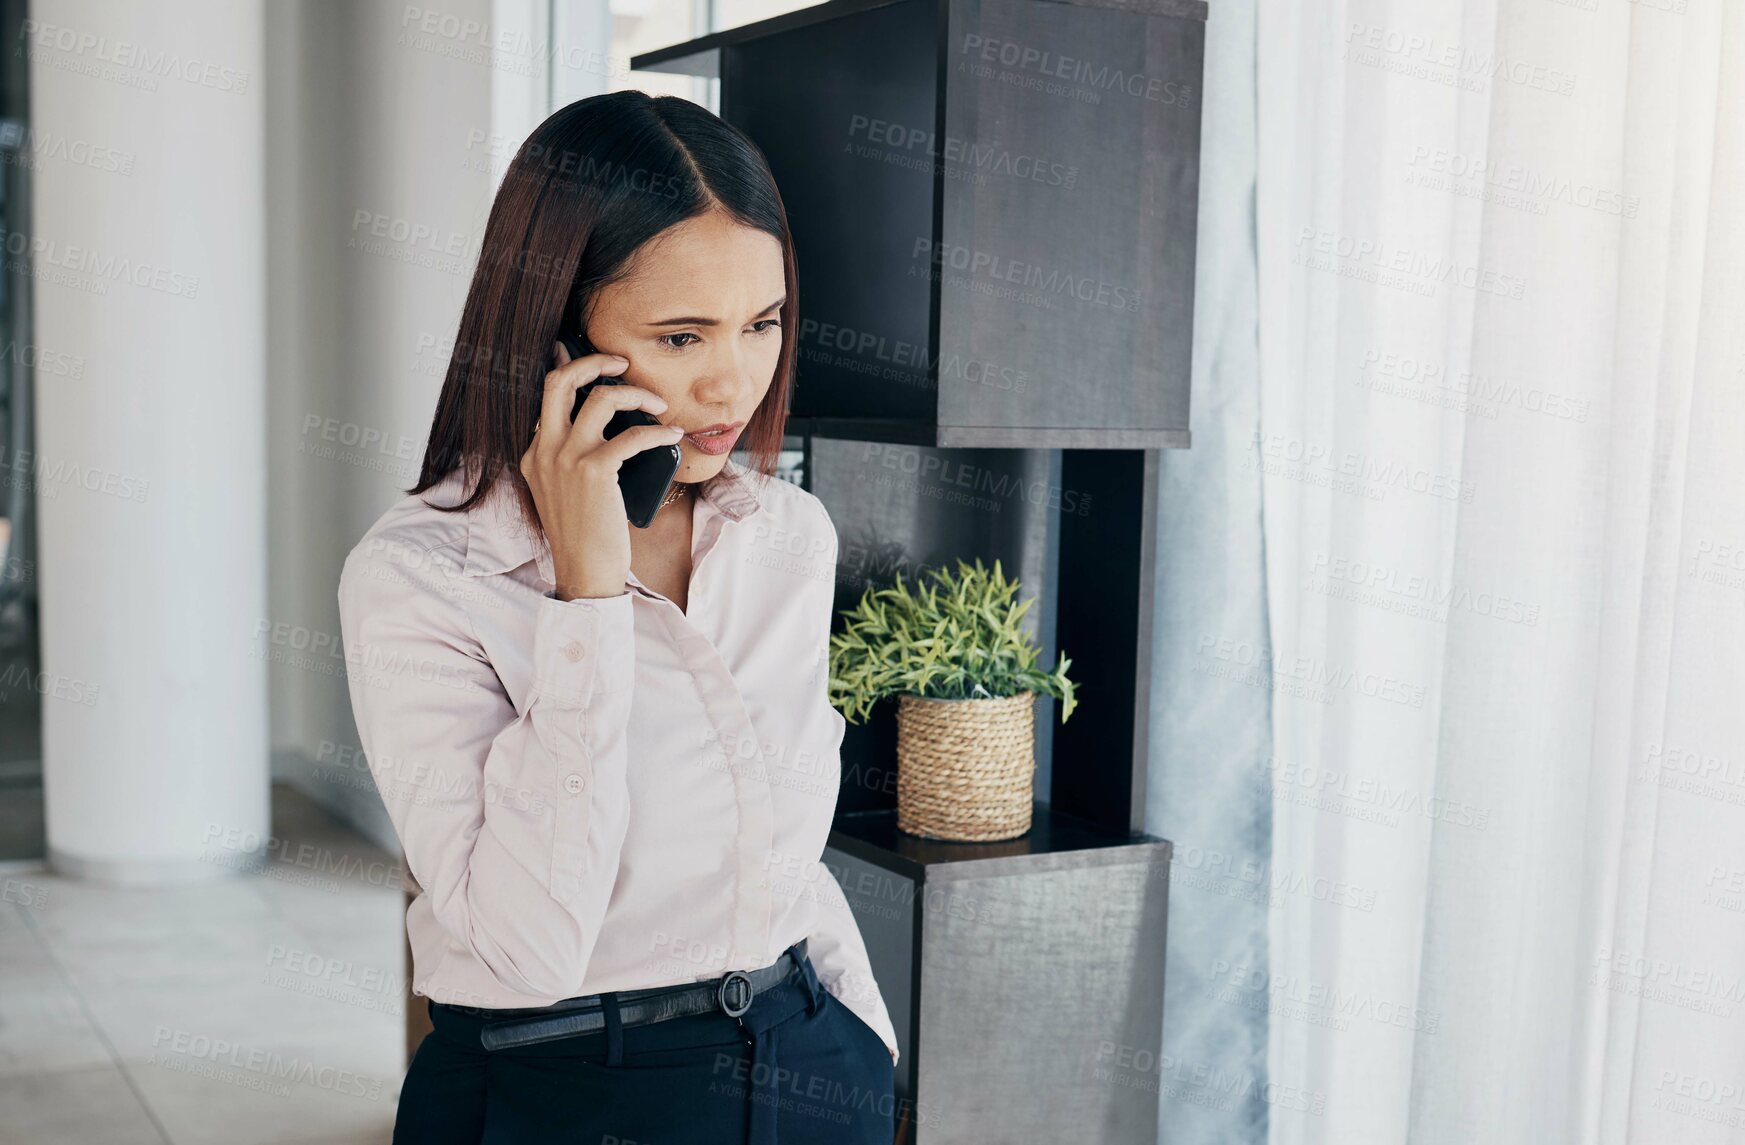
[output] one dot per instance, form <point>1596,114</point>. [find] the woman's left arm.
<point>835,946</point>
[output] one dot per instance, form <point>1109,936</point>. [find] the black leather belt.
<point>731,994</point>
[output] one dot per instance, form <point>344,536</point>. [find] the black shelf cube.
<point>993,205</point>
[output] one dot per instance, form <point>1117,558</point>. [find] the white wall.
<point>383,121</point>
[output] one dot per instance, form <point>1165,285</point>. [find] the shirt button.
<point>573,650</point>
<point>572,783</point>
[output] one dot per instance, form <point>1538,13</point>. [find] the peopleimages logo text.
<point>1047,280</point>
<point>1053,65</point>
<point>152,62</point>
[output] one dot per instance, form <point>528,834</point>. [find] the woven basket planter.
<point>966,768</point>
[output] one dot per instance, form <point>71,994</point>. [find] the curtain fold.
<point>1209,787</point>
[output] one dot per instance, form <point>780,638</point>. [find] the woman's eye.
<point>683,338</point>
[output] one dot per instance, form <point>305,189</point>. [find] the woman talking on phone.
<point>607,749</point>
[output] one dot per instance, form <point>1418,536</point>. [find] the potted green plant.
<point>954,653</point>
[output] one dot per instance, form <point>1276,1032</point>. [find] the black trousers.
<point>803,1070</point>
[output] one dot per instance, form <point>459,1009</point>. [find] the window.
<point>631,27</point>
<point>643,25</point>
<point>733,13</point>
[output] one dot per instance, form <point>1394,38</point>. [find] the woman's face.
<point>699,318</point>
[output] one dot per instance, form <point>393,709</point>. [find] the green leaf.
<point>951,633</point>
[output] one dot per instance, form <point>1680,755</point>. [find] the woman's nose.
<point>728,381</point>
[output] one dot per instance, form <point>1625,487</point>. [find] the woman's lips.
<point>715,443</point>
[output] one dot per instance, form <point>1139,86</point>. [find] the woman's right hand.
<point>572,470</point>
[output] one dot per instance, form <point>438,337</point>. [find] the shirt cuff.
<point>583,648</point>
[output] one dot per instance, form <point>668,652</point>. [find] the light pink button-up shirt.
<point>605,794</point>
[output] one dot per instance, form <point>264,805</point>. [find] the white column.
<point>151,468</point>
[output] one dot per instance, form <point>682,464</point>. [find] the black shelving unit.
<point>994,206</point>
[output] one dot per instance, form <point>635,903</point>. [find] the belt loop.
<point>614,1028</point>
<point>814,990</point>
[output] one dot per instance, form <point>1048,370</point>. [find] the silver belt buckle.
<point>735,992</point>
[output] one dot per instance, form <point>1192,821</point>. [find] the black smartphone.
<point>644,479</point>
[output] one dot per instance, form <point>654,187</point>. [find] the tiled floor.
<point>261,1009</point>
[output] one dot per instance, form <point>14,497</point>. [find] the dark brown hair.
<point>587,189</point>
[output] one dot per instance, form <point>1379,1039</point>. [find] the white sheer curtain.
<point>1502,453</point>
<point>1210,734</point>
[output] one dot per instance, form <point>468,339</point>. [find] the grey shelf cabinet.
<point>1025,978</point>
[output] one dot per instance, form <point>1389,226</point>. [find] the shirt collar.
<point>499,540</point>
